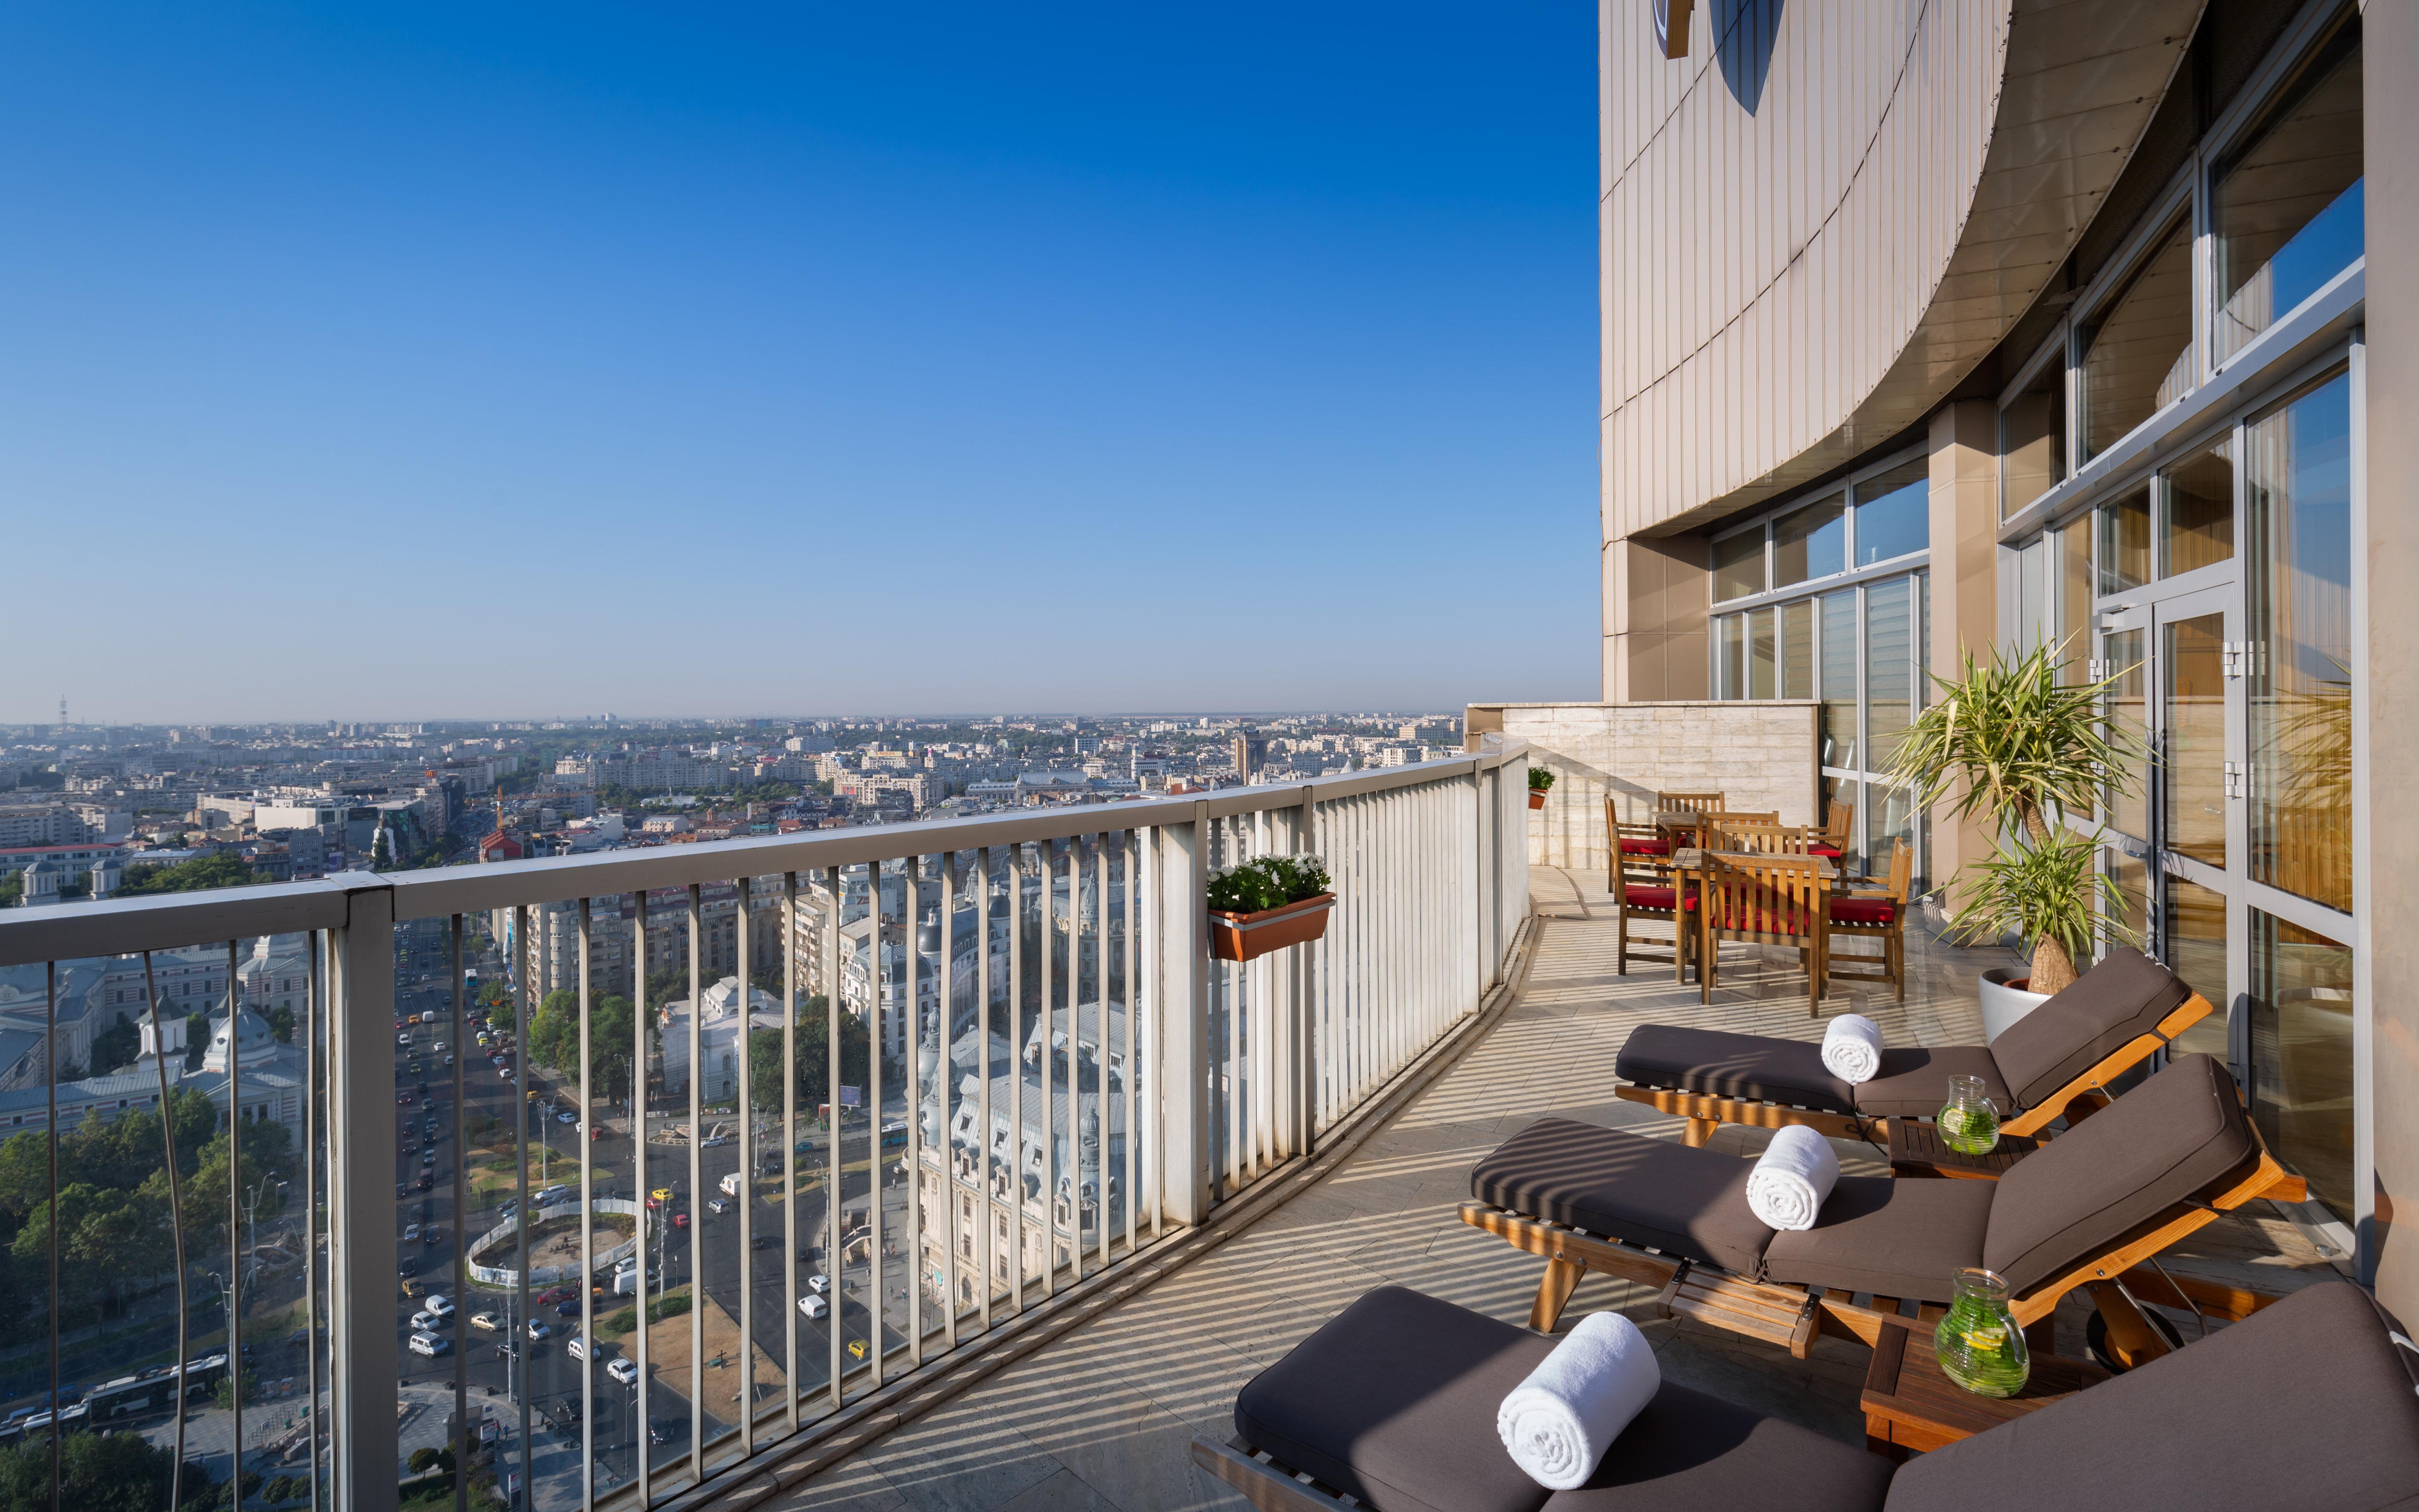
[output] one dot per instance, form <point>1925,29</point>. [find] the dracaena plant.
<point>1267,882</point>
<point>2013,746</point>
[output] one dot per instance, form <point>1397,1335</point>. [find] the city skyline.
<point>455,361</point>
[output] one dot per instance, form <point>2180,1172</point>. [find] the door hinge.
<point>2238,779</point>
<point>2096,670</point>
<point>2239,658</point>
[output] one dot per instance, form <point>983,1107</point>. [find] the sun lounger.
<point>2110,1021</point>
<point>2156,1165</point>
<point>1392,1401</point>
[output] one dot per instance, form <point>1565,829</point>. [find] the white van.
<point>731,1185</point>
<point>626,1284</point>
<point>430,1345</point>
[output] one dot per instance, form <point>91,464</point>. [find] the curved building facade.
<point>1944,324</point>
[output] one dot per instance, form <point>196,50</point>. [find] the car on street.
<point>659,1196</point>
<point>680,1220</point>
<point>718,1206</point>
<point>403,1100</point>
<point>440,1047</point>
<point>402,1040</point>
<point>431,1344</point>
<point>569,1307</point>
<point>424,1320</point>
<point>441,1305</point>
<point>818,1283</point>
<point>425,1183</point>
<point>554,1294</point>
<point>577,1346</point>
<point>539,1328</point>
<point>625,1370</point>
<point>412,1233</point>
<point>487,1321</point>
<point>814,1306</point>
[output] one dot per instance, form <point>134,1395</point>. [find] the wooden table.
<point>1910,1406</point>
<point>1918,1149</point>
<point>1690,859</point>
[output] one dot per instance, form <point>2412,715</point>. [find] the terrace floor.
<point>1101,1418</point>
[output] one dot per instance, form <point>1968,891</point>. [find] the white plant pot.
<point>2002,1004</point>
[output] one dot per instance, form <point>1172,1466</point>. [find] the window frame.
<point>1847,485</point>
<point>2052,349</point>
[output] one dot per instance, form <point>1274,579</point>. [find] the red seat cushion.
<point>1863,910</point>
<point>1829,852</point>
<point>1646,847</point>
<point>1658,898</point>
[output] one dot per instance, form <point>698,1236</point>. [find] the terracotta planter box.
<point>1249,937</point>
<point>1537,797</point>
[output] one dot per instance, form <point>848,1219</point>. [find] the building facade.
<point>1983,326</point>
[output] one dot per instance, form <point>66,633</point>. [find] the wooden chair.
<point>1837,834</point>
<point>1631,844</point>
<point>1875,914</point>
<point>1740,836</point>
<point>1770,900</point>
<point>1697,802</point>
<point>1645,888</point>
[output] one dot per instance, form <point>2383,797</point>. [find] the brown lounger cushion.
<point>1914,1083</point>
<point>2303,1405</point>
<point>2116,1002</point>
<point>2149,1150</point>
<point>1653,1191</point>
<point>1756,1067</point>
<point>1896,1238</point>
<point>1394,1400</point>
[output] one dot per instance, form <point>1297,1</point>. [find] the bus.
<point>154,1390</point>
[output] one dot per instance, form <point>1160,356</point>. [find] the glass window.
<point>2300,1055</point>
<point>2289,210</point>
<point>2129,710</point>
<point>2194,925</point>
<point>2074,599</point>
<point>2125,542</point>
<point>2032,439</point>
<point>1761,659</point>
<point>1888,817</point>
<point>2194,757</point>
<point>2197,511</point>
<point>1797,649</point>
<point>1894,513</point>
<point>1810,543</point>
<point>1840,680</point>
<point>1731,663</point>
<point>2131,875</point>
<point>1738,564</point>
<point>2297,477</point>
<point>1841,793</point>
<point>1890,670</point>
<point>2140,359</point>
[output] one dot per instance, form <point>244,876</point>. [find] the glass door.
<point>2177,835</point>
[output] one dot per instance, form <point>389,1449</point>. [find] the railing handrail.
<point>75,930</point>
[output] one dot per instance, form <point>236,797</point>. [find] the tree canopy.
<point>222,869</point>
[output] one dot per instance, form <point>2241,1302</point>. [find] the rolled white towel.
<point>1792,1178</point>
<point>1558,1423</point>
<point>1852,1048</point>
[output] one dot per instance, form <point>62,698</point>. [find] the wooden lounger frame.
<point>1703,1110</point>
<point>1793,1317</point>
<point>1267,1483</point>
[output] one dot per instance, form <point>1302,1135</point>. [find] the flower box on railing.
<point>1249,937</point>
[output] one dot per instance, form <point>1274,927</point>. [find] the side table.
<point>1918,1149</point>
<point>1910,1406</point>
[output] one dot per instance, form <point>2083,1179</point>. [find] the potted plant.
<point>1541,781</point>
<point>2020,748</point>
<point>1266,904</point>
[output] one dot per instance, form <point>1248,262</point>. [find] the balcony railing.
<point>1054,1086</point>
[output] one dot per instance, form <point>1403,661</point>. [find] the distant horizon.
<point>540,723</point>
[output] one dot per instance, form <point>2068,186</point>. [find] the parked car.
<point>818,1283</point>
<point>814,1306</point>
<point>431,1344</point>
<point>489,1323</point>
<point>680,1220</point>
<point>567,1117</point>
<point>577,1346</point>
<point>569,1307</point>
<point>539,1328</point>
<point>554,1294</point>
<point>625,1370</point>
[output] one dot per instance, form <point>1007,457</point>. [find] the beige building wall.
<point>1761,756</point>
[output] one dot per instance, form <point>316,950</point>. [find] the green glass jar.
<point>1977,1342</point>
<point>1968,1123</point>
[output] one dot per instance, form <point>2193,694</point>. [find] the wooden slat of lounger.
<point>1742,1306</point>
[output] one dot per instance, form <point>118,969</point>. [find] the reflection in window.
<point>1894,513</point>
<point>2197,511</point>
<point>2125,542</point>
<point>2300,1055</point>
<point>2131,875</point>
<point>2289,211</point>
<point>1738,564</point>
<point>1730,653</point>
<point>1841,793</point>
<point>1810,543</point>
<point>1797,649</point>
<point>2032,439</point>
<point>2193,764</point>
<point>2074,599</point>
<point>1840,679</point>
<point>2129,712</point>
<point>2194,925</point>
<point>2140,358</point>
<point>1760,653</point>
<point>2297,475</point>
<point>1890,670</point>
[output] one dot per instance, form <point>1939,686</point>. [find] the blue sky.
<point>426,360</point>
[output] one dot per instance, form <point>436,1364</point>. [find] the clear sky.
<point>426,360</point>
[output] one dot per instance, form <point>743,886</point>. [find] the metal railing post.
<point>361,1216</point>
<point>1183,1016</point>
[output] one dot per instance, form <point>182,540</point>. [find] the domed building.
<point>268,1075</point>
